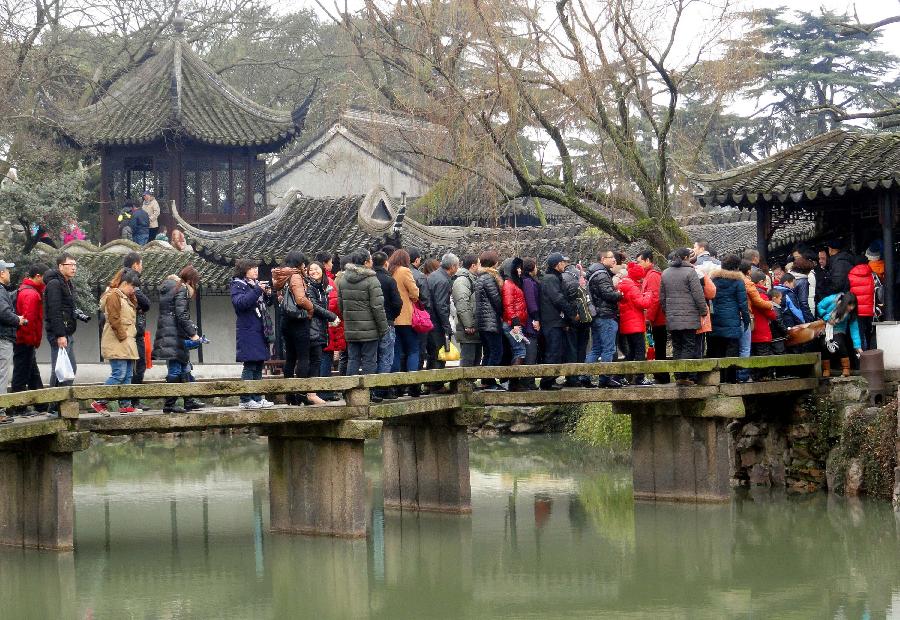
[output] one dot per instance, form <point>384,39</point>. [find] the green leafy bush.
<point>599,426</point>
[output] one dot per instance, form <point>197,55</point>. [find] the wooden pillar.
<point>678,453</point>
<point>763,219</point>
<point>426,464</point>
<point>887,233</point>
<point>37,508</point>
<point>317,478</point>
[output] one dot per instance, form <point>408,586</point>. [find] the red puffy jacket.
<point>762,332</point>
<point>29,305</point>
<point>652,279</point>
<point>515,311</point>
<point>863,286</point>
<point>632,306</point>
<point>336,341</point>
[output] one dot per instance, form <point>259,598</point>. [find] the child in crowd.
<point>761,335</point>
<point>162,235</point>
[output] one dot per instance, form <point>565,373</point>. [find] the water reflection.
<point>179,530</point>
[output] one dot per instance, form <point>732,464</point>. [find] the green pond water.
<point>178,529</point>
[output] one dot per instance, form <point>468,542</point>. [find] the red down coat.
<point>515,311</point>
<point>336,340</point>
<point>29,305</point>
<point>762,332</point>
<point>632,306</point>
<point>652,279</point>
<point>863,286</point>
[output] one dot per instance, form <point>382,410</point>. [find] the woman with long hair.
<point>118,344</point>
<point>841,331</point>
<point>290,278</point>
<point>173,327</point>
<point>515,318</point>
<point>317,290</point>
<point>253,334</point>
<point>406,346</point>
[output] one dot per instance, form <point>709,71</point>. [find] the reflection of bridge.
<point>316,474</point>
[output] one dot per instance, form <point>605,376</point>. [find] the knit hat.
<point>635,272</point>
<point>835,244</point>
<point>875,250</point>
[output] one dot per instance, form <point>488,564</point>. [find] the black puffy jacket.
<point>839,267</point>
<point>555,307</point>
<point>174,325</point>
<point>604,295</point>
<point>59,305</point>
<point>322,316</point>
<point>393,303</point>
<point>143,306</point>
<point>440,285</point>
<point>488,301</point>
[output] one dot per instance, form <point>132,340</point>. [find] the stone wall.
<point>495,421</point>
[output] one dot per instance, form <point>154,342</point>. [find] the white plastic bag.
<point>63,368</point>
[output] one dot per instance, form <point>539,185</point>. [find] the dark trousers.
<point>578,337</point>
<point>362,357</point>
<point>493,352</point>
<point>435,344</point>
<point>54,352</point>
<point>469,354</point>
<point>684,347</point>
<point>758,349</point>
<point>140,365</point>
<point>866,333</point>
<point>717,346</point>
<point>315,359</point>
<point>635,350</point>
<point>295,335</point>
<point>25,375</point>
<point>555,343</point>
<point>660,344</point>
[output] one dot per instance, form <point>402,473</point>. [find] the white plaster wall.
<point>340,168</point>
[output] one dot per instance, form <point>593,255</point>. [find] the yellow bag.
<point>449,356</point>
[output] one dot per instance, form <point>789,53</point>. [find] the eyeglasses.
<point>69,265</point>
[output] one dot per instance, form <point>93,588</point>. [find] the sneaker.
<point>99,407</point>
<point>141,406</point>
<point>614,383</point>
<point>127,410</point>
<point>495,388</point>
<point>251,404</point>
<point>5,419</point>
<point>266,404</point>
<point>645,382</point>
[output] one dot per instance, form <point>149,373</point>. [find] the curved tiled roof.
<point>829,164</point>
<point>176,95</point>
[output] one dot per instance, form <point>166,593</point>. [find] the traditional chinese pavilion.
<point>174,128</point>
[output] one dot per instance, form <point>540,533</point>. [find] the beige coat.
<point>152,209</point>
<point>409,293</point>
<point>118,339</point>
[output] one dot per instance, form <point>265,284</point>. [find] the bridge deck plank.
<point>30,428</point>
<point>777,386</point>
<point>594,395</point>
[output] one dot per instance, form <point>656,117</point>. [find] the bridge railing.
<point>356,389</point>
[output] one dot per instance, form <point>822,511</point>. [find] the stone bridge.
<point>316,476</point>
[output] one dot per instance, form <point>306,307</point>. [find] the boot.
<point>190,403</point>
<point>845,366</point>
<point>517,385</point>
<point>826,368</point>
<point>170,404</point>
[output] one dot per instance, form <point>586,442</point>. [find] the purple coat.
<point>532,291</point>
<point>251,341</point>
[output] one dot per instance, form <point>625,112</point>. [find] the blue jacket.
<point>730,312</point>
<point>251,340</point>
<point>826,307</point>
<point>792,314</point>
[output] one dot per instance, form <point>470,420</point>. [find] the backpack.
<point>584,303</point>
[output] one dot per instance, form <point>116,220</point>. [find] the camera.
<point>81,316</point>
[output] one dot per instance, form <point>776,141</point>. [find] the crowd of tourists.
<point>400,310</point>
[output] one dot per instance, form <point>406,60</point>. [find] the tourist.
<point>556,314</point>
<point>416,262</point>
<point>761,334</point>
<point>253,331</point>
<point>840,262</point>
<point>801,269</point>
<point>9,323</point>
<point>336,343</point>
<point>489,313</point>
<point>362,307</point>
<point>515,317</point>
<point>820,284</point>
<point>440,284</point>
<point>874,256</point>
<point>758,306</point>
<point>463,293</point>
<point>731,313</point>
<point>777,274</point>
<point>655,315</point>
<point>29,304</point>
<point>290,279</point>
<point>605,324</point>
<point>792,313</point>
<point>406,345</point>
<point>681,298</point>
<point>317,289</point>
<point>178,241</point>
<point>862,284</point>
<point>578,336</point>
<point>700,253</point>
<point>393,304</point>
<point>117,342</point>
<point>161,235</point>
<point>134,262</point>
<point>841,331</point>
<point>60,314</point>
<point>532,289</point>
<point>151,206</point>
<point>72,232</point>
<point>751,255</point>
<point>173,327</point>
<point>140,225</point>
<point>632,323</point>
<point>777,325</point>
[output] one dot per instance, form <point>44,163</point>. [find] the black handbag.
<point>289,305</point>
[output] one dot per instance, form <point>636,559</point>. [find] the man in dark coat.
<point>840,262</point>
<point>133,261</point>
<point>440,285</point>
<point>392,306</point>
<point>605,325</point>
<point>140,225</point>
<point>9,323</point>
<point>556,314</point>
<point>681,298</point>
<point>60,313</point>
